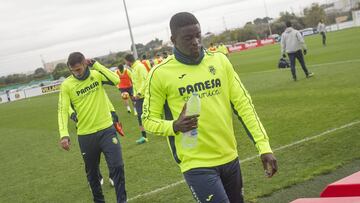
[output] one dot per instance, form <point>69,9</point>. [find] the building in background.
<point>341,5</point>
<point>356,17</point>
<point>50,66</point>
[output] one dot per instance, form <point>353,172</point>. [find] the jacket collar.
<point>186,59</point>
<point>85,76</point>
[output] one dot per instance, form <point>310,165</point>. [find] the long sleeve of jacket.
<point>244,108</point>
<point>143,75</point>
<point>301,40</point>
<point>63,111</point>
<point>71,111</point>
<point>153,108</point>
<point>108,77</point>
<point>139,80</point>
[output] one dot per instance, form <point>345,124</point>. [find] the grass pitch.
<point>34,169</point>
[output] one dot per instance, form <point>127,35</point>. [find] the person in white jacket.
<point>322,30</point>
<point>293,44</point>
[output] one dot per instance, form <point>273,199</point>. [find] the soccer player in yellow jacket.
<point>117,125</point>
<point>146,63</point>
<point>158,59</point>
<point>212,48</point>
<point>84,91</point>
<point>223,49</point>
<point>212,168</point>
<point>139,74</point>
<point>114,116</point>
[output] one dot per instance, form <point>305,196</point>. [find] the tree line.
<point>61,70</point>
<point>257,29</point>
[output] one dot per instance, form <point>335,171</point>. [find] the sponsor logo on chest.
<point>205,87</point>
<point>200,86</point>
<point>87,89</point>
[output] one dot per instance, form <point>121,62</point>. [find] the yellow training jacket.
<point>169,86</point>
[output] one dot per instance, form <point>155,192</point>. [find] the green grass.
<point>34,169</point>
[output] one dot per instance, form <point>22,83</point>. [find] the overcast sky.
<point>54,28</point>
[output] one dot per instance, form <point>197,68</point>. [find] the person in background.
<point>293,44</point>
<point>322,30</point>
<point>164,55</point>
<point>223,49</point>
<point>126,87</point>
<point>7,94</point>
<point>152,62</point>
<point>212,47</point>
<point>158,59</point>
<point>146,63</point>
<point>139,75</point>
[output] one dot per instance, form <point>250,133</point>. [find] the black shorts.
<point>128,90</point>
<point>220,184</point>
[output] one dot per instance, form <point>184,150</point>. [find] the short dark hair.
<point>75,58</point>
<point>121,67</point>
<point>144,56</point>
<point>180,20</point>
<point>130,58</point>
<point>288,24</point>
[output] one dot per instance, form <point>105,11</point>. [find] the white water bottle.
<point>193,105</point>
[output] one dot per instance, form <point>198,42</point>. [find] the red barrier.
<point>236,47</point>
<point>328,200</point>
<point>346,187</point>
<point>249,45</point>
<point>267,41</point>
<point>254,44</point>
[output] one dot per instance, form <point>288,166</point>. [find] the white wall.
<point>17,95</point>
<point>356,17</point>
<point>37,91</point>
<point>32,92</point>
<point>341,26</point>
<point>3,98</point>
